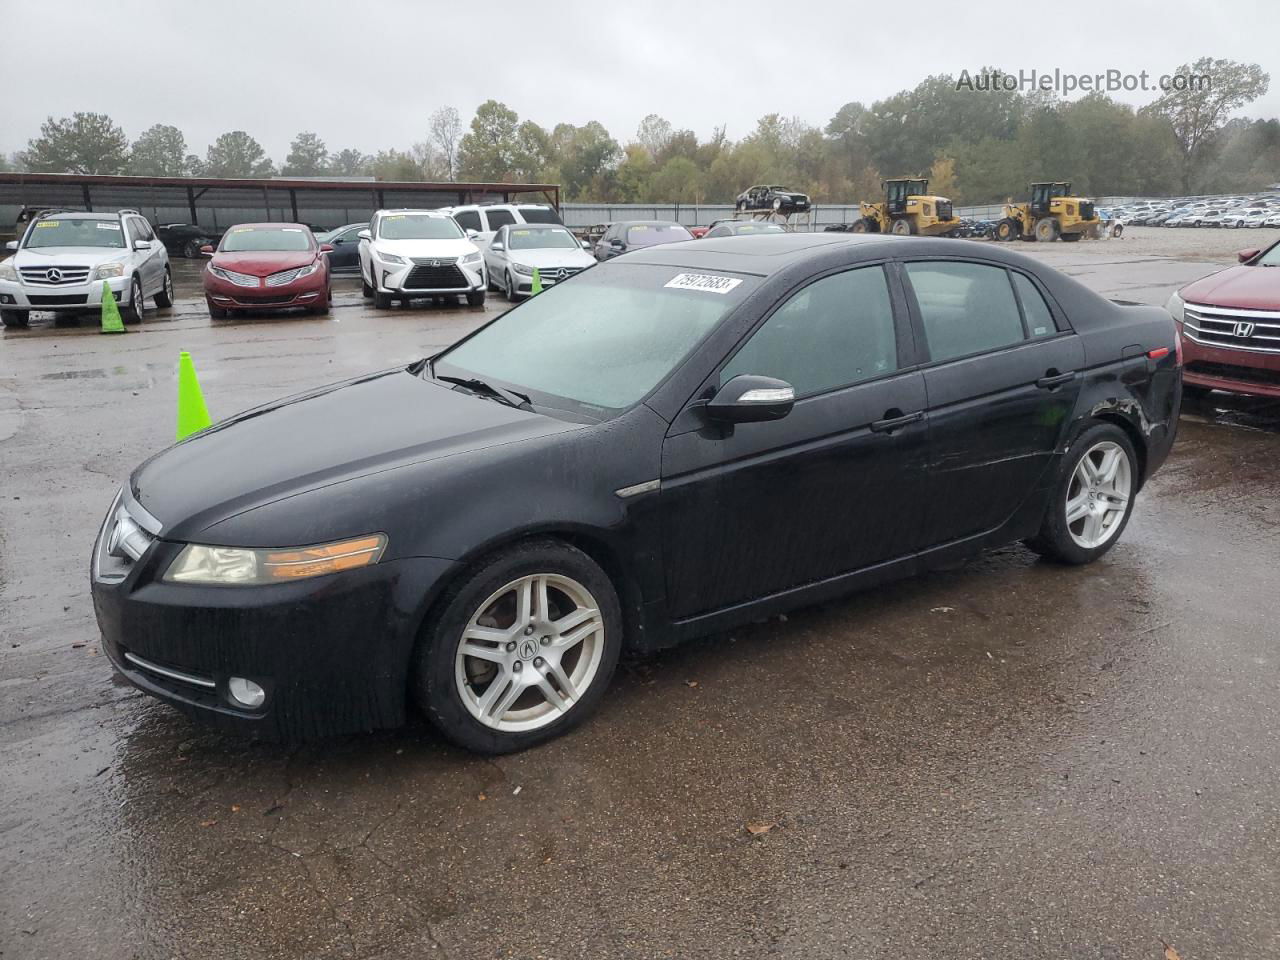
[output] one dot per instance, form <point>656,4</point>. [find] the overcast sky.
<point>367,73</point>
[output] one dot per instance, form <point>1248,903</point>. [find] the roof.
<point>274,183</point>
<point>271,225</point>
<point>80,215</point>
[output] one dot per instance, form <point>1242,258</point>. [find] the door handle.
<point>1052,379</point>
<point>894,419</point>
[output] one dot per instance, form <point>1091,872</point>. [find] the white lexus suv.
<point>63,257</point>
<point>409,254</point>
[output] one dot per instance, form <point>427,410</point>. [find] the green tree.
<point>1198,112</point>
<point>308,157</point>
<point>81,143</point>
<point>487,152</point>
<point>394,165</point>
<point>653,134</point>
<point>236,154</point>
<point>161,151</point>
<point>348,163</point>
<point>677,182</point>
<point>591,154</point>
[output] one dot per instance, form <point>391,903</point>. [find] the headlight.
<point>308,270</point>
<point>236,566</point>
<point>472,257</point>
<point>8,271</point>
<point>521,268</point>
<point>218,272</point>
<point>1174,306</point>
<point>388,257</point>
<point>105,270</point>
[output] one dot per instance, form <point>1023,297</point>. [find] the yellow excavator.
<point>907,209</point>
<point>1052,214</point>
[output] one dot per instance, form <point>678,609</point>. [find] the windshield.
<point>407,226</point>
<point>559,239</point>
<point>76,233</point>
<point>1271,258</point>
<point>743,228</point>
<point>651,234</point>
<point>601,341</point>
<point>266,239</point>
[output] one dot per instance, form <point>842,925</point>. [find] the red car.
<point>267,266</point>
<point>1229,325</point>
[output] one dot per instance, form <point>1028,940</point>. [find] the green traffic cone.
<point>111,322</point>
<point>193,416</point>
<point>537,283</point>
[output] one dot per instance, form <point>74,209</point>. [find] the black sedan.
<point>778,199</point>
<point>667,445</point>
<point>345,256</point>
<point>186,239</point>
<point>626,235</point>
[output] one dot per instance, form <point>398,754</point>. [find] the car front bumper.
<point>1249,372</point>
<point>17,295</point>
<point>331,652</point>
<point>307,292</point>
<point>423,280</point>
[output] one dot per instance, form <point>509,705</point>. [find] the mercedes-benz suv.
<point>409,254</point>
<point>60,262</point>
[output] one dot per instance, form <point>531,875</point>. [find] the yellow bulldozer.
<point>1052,214</point>
<point>907,209</point>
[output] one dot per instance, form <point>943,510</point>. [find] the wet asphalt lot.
<point>1007,759</point>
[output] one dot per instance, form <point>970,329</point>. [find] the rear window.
<point>539,215</point>
<point>499,218</point>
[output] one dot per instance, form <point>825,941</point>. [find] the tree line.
<point>977,147</point>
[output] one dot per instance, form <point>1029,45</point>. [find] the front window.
<point>266,239</point>
<point>651,234</point>
<point>542,239</point>
<point>602,341</point>
<point>79,232</point>
<point>539,215</point>
<point>408,226</point>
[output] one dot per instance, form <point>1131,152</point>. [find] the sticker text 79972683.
<point>702,282</point>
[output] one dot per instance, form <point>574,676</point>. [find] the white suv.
<point>486,219</point>
<point>62,259</point>
<point>419,253</point>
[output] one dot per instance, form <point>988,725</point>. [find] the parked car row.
<point>1229,212</point>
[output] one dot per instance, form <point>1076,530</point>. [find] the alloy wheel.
<point>1098,494</point>
<point>530,652</point>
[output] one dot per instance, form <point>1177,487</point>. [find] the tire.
<point>1070,237</point>
<point>366,288</point>
<point>1046,230</point>
<point>191,250</point>
<point>1117,230</point>
<point>1007,230</point>
<point>777,204</point>
<point>15,319</point>
<point>475,298</point>
<point>1094,532</point>
<point>136,311</point>
<point>215,313</point>
<point>902,227</point>
<point>859,226</point>
<point>512,295</point>
<point>322,308</point>
<point>164,299</point>
<point>489,285</point>
<point>382,301</point>
<point>450,686</point>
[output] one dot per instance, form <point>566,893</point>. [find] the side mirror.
<point>472,234</point>
<point>327,247</point>
<point>11,245</point>
<point>1244,256</point>
<point>365,235</point>
<point>748,398</point>
<point>497,247</point>
<point>206,250</point>
<point>142,244</point>
<point>586,245</point>
<point>615,243</point>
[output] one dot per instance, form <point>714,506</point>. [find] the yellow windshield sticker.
<point>394,216</point>
<point>243,230</point>
<point>521,233</point>
<point>49,223</point>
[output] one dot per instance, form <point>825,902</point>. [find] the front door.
<point>833,487</point>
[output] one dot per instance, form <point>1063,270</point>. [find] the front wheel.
<point>512,290</point>
<point>136,311</point>
<point>520,650</point>
<point>903,227</point>
<point>164,299</point>
<point>475,298</point>
<point>1007,230</point>
<point>15,319</point>
<point>1092,499</point>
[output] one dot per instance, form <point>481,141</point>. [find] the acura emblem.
<point>1244,329</point>
<point>53,275</point>
<point>527,649</point>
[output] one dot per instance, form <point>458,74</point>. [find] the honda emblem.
<point>1244,329</point>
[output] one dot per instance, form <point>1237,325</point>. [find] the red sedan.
<point>268,266</point>
<point>1230,327</point>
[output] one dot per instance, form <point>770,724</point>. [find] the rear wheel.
<point>520,650</point>
<point>191,249</point>
<point>1092,499</point>
<point>136,311</point>
<point>15,319</point>
<point>164,299</point>
<point>1070,237</point>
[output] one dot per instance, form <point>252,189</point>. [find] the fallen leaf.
<point>482,797</point>
<point>516,791</point>
<point>941,609</point>
<point>1170,953</point>
<point>208,823</point>
<point>755,828</point>
<point>235,808</point>
<point>691,683</point>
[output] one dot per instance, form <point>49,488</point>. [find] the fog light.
<point>246,692</point>
<point>7,298</point>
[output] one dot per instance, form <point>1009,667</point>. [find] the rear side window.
<point>539,215</point>
<point>468,220</point>
<point>1039,319</point>
<point>966,307</point>
<point>835,332</point>
<point>499,218</point>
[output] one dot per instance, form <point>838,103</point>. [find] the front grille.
<point>54,276</point>
<point>434,261</point>
<point>1232,329</point>
<point>52,300</point>
<point>283,277</point>
<point>435,278</point>
<point>1229,371</point>
<point>945,210</point>
<point>1087,211</point>
<point>558,273</point>
<point>239,279</point>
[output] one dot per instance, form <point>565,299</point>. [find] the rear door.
<point>346,250</point>
<point>1002,378</point>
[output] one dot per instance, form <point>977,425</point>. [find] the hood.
<point>1250,288</point>
<point>334,434</point>
<point>58,256</point>
<point>427,248</point>
<point>548,259</point>
<point>261,263</point>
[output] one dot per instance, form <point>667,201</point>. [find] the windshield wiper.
<point>502,394</point>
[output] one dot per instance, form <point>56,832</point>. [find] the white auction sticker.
<point>706,282</point>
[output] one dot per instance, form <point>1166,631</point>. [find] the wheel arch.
<point>1115,416</point>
